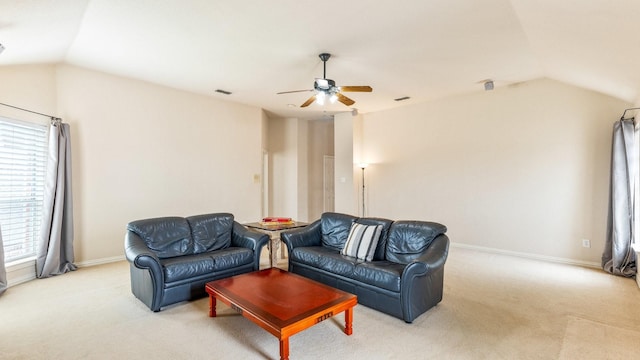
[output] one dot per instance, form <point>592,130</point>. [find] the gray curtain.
<point>55,250</point>
<point>618,257</point>
<point>3,270</point>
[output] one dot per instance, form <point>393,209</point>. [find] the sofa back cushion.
<point>408,239</point>
<point>362,241</point>
<point>211,231</point>
<point>335,229</point>
<point>384,235</point>
<point>166,236</point>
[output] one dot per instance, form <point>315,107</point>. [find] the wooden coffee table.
<point>281,303</point>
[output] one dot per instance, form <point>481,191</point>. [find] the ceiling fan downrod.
<point>324,57</point>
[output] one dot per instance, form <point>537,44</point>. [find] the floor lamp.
<point>363,166</point>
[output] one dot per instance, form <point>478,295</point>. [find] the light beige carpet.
<point>494,307</point>
<point>593,340</point>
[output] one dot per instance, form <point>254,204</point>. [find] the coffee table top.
<point>277,227</point>
<point>278,297</point>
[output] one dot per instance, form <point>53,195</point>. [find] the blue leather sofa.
<point>172,258</point>
<point>405,276</point>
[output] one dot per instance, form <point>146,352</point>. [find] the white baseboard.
<point>100,261</point>
<point>529,256</point>
<point>21,272</point>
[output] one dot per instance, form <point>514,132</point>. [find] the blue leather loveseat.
<point>172,258</point>
<point>404,276</point>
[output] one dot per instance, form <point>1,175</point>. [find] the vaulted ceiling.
<point>424,49</point>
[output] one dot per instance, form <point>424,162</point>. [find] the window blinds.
<point>23,157</point>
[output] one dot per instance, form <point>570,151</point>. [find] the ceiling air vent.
<point>402,98</point>
<point>223,92</point>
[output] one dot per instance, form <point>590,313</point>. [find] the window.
<point>23,156</point>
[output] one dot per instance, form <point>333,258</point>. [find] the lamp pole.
<point>363,166</point>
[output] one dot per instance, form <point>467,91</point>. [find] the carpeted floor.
<point>494,307</point>
<point>580,335</point>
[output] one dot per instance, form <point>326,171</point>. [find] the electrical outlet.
<point>586,243</point>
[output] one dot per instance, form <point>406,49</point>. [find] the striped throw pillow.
<point>362,241</point>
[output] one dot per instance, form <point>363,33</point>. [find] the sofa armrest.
<point>309,235</point>
<point>247,238</point>
<point>147,277</point>
<point>138,253</point>
<point>422,282</point>
<point>432,259</point>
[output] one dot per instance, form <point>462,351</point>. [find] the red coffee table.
<point>281,303</point>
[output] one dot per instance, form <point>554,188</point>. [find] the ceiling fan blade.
<point>345,100</point>
<point>294,91</point>
<point>309,101</point>
<point>356,88</point>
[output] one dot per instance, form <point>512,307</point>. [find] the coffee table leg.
<point>284,349</point>
<point>212,306</point>
<point>273,254</point>
<point>348,319</point>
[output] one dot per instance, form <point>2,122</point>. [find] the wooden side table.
<point>274,235</point>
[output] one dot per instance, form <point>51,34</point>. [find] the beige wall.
<point>283,167</point>
<point>320,140</point>
<point>522,168</point>
<point>29,87</point>
<point>302,160</point>
<point>142,150</point>
<point>295,150</point>
<point>345,187</point>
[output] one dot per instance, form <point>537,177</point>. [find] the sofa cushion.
<point>211,231</point>
<point>324,258</point>
<point>382,242</point>
<point>166,236</point>
<point>382,274</point>
<point>192,266</point>
<point>362,241</point>
<point>408,239</point>
<point>231,257</point>
<point>335,229</point>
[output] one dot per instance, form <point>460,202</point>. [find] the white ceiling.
<point>425,49</point>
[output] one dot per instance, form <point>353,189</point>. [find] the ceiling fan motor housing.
<point>324,84</point>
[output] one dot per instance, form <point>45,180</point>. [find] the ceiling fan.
<point>327,89</point>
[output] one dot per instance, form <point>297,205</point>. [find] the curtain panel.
<point>55,251</point>
<point>3,270</point>
<point>619,257</point>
